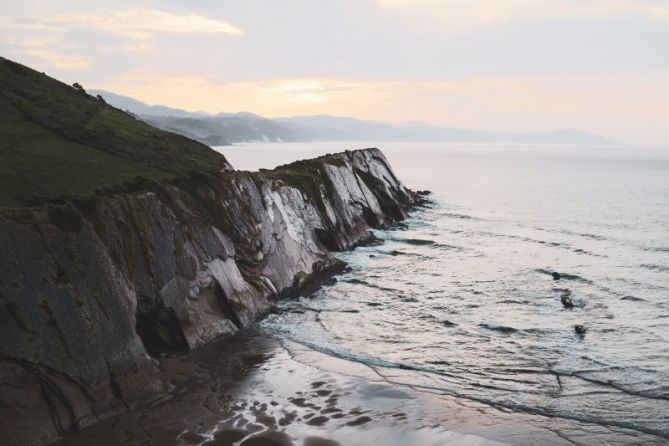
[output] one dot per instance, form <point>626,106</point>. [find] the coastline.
<point>131,276</point>
<point>160,286</point>
<point>255,390</point>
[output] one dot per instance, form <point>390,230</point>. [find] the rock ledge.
<point>91,292</point>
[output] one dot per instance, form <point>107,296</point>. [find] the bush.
<point>77,86</point>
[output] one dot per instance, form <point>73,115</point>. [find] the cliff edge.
<point>122,243</point>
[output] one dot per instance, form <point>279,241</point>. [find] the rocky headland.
<point>97,287</point>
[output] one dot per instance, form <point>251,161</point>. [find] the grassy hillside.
<point>57,141</point>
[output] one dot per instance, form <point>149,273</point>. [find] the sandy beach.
<point>251,390</point>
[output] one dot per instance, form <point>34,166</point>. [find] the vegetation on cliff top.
<point>57,141</point>
<point>309,177</point>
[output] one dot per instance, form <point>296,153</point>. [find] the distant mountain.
<point>140,108</point>
<point>333,128</point>
<point>214,130</point>
<point>226,128</point>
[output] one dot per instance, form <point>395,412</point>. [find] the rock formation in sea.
<point>96,288</point>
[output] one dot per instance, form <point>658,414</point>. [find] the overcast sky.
<point>508,65</point>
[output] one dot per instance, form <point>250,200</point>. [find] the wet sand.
<point>256,391</point>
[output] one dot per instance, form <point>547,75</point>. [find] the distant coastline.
<point>229,128</point>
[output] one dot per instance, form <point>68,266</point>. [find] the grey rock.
<point>85,308</point>
<point>566,300</point>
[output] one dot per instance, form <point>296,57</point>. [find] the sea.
<point>463,299</point>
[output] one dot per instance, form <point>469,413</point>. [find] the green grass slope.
<point>57,141</point>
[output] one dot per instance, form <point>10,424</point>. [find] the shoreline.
<point>259,390</point>
<point>160,269</point>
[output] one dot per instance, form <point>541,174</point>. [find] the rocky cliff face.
<point>92,292</point>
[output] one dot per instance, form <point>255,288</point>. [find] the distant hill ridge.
<point>226,128</point>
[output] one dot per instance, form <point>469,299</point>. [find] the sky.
<point>505,65</point>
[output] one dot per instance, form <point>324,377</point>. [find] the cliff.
<point>122,243</point>
<point>93,291</point>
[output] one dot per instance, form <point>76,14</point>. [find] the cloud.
<point>64,61</point>
<point>357,72</point>
<point>322,90</point>
<point>271,97</point>
<point>465,14</point>
<point>39,46</point>
<point>47,39</point>
<point>142,24</point>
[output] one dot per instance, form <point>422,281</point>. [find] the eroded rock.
<point>89,299</point>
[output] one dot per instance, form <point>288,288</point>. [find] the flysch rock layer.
<point>93,291</point>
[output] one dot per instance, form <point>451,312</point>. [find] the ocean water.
<point>462,301</point>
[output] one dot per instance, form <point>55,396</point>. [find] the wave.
<point>652,267</point>
<point>633,299</point>
<point>575,277</point>
<point>651,394</point>
<point>448,247</point>
<point>656,248</point>
<point>415,241</point>
<point>426,242</point>
<point>592,236</point>
<point>565,246</point>
<point>572,233</point>
<point>565,276</point>
<point>488,399</point>
<point>524,345</point>
<point>460,216</point>
<point>361,358</point>
<point>501,328</point>
<point>439,362</point>
<point>512,301</point>
<point>399,293</point>
<point>510,330</point>
<point>637,283</point>
<point>396,253</point>
<point>355,281</point>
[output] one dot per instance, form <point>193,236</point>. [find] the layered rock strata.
<point>94,292</point>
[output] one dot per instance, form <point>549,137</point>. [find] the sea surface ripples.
<point>462,299</point>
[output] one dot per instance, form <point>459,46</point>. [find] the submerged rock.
<point>92,290</point>
<point>566,300</point>
<point>580,329</point>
